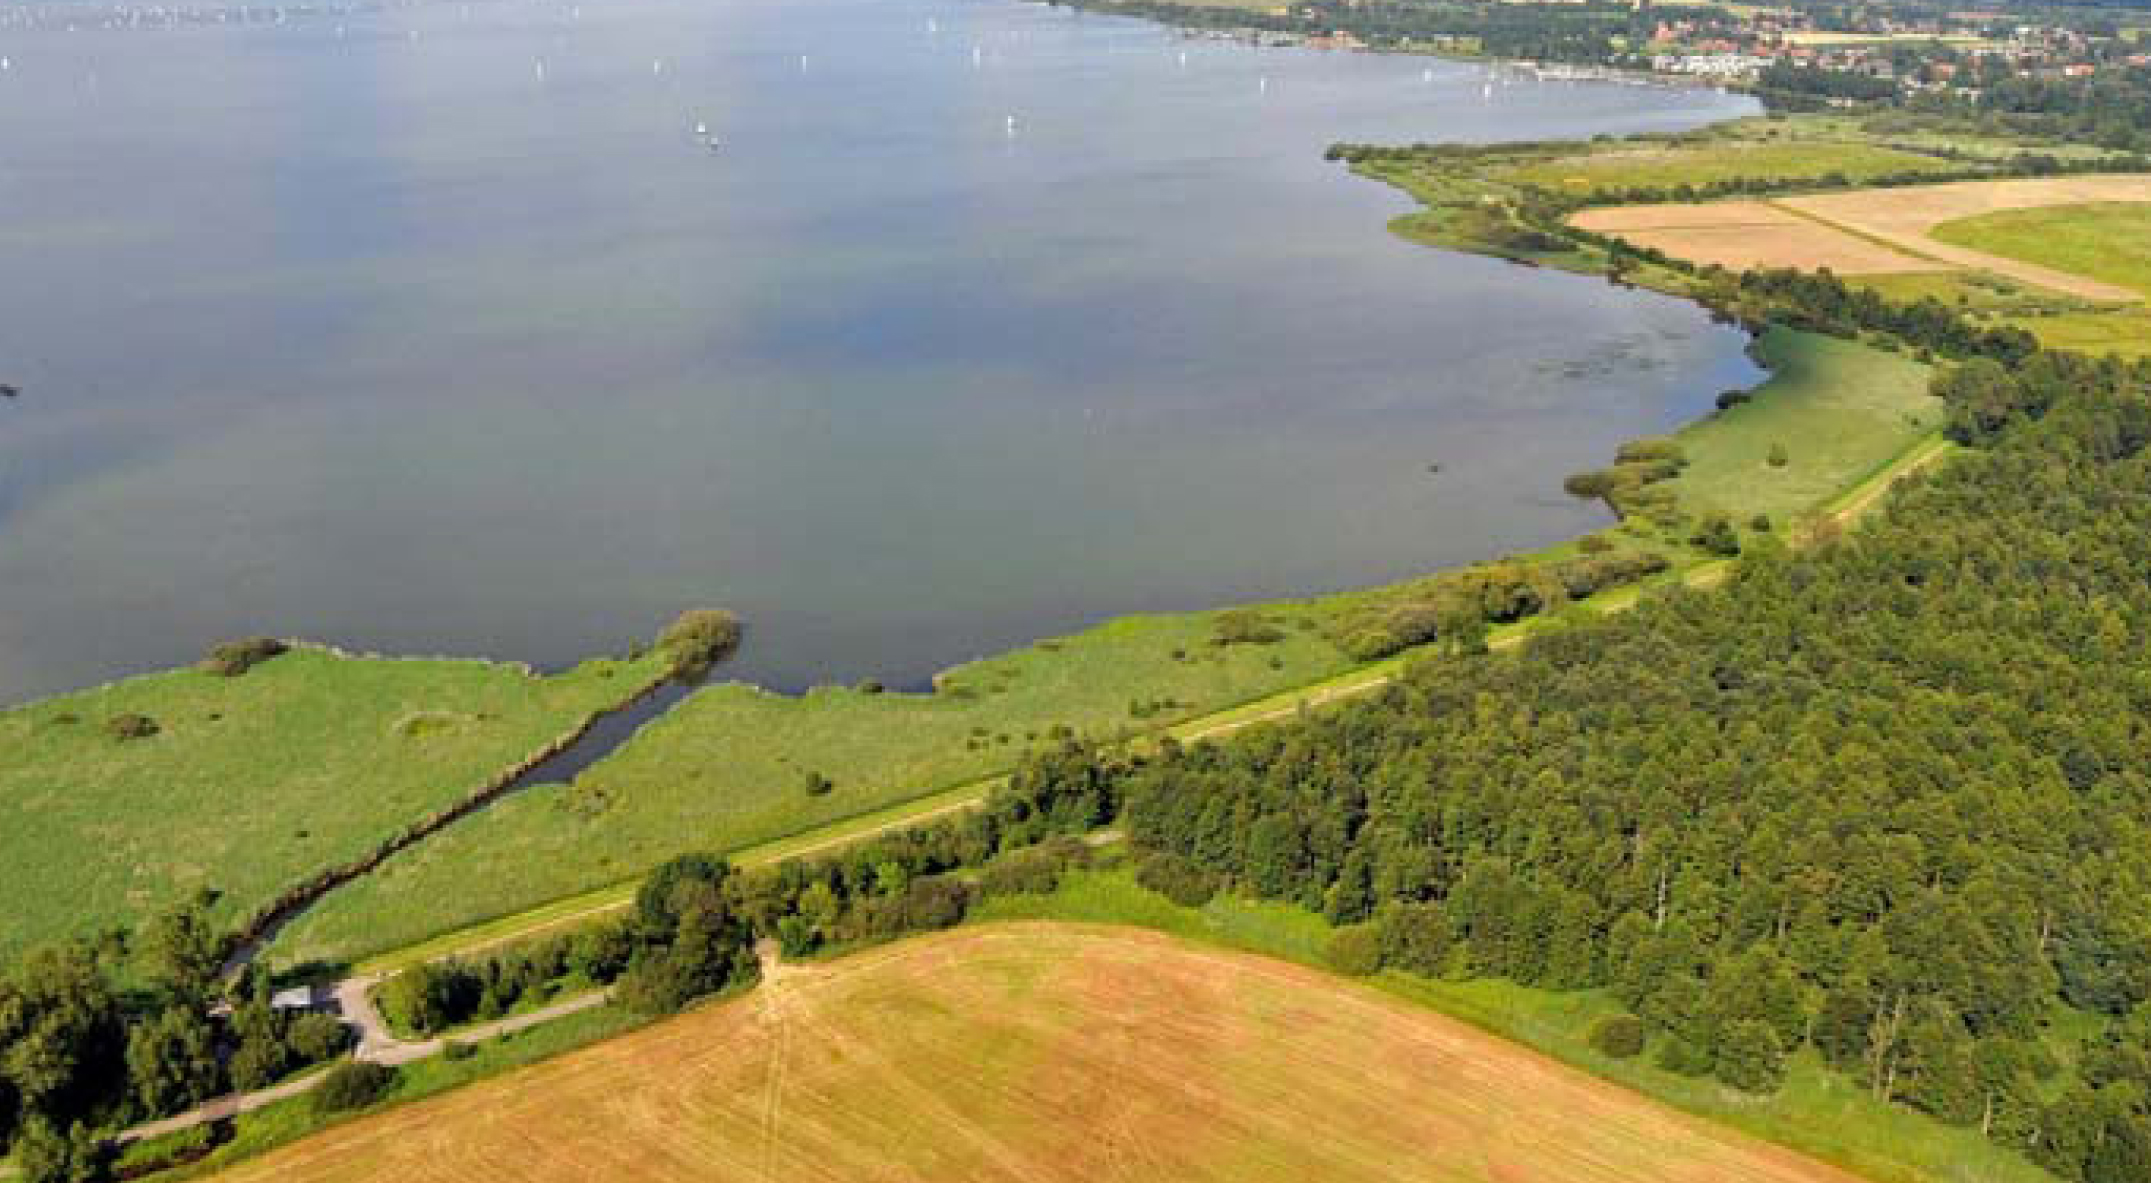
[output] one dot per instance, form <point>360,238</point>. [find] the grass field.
<point>1972,291</point>
<point>1817,1111</point>
<point>2108,241</point>
<point>1725,158</point>
<point>728,768</point>
<point>2123,331</point>
<point>1043,1053</point>
<point>1839,409</point>
<point>251,783</point>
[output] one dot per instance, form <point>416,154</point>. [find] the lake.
<point>438,328</point>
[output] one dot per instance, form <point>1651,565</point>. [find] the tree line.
<point>1885,800</point>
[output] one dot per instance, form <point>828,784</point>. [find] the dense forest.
<point>1887,799</point>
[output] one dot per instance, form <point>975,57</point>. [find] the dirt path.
<point>377,1045</point>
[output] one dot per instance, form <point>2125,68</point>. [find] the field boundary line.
<point>1867,236</point>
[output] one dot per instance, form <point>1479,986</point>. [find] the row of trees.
<point>691,931</point>
<point>1886,800</point>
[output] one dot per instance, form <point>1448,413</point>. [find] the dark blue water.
<point>435,328</point>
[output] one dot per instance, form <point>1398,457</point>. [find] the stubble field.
<point>1872,231</point>
<point>1043,1052</point>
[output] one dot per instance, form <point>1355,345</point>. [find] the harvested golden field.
<point>1903,218</point>
<point>1043,1052</point>
<point>1741,235</point>
<point>1868,231</point>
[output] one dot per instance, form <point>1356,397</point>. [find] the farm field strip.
<point>1044,1052</point>
<point>1748,234</point>
<point>1869,232</point>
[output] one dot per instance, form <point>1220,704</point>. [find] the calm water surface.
<point>435,329</point>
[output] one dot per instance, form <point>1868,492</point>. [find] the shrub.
<point>260,1061</point>
<point>233,659</point>
<point>1760,523</point>
<point>1619,1036</point>
<point>700,639</point>
<point>1023,872</point>
<point>1679,1056</point>
<point>1583,578</point>
<point>129,727</point>
<point>46,1155</point>
<point>1778,457</point>
<point>1414,937</point>
<point>1750,1057</point>
<point>317,1037</point>
<point>818,785</point>
<point>1245,626</point>
<point>1716,535</point>
<point>1733,398</point>
<point>1354,951</point>
<point>1650,448</point>
<point>353,1085</point>
<point>1177,879</point>
<point>1589,484</point>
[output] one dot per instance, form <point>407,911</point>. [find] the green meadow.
<point>735,766</point>
<point>1834,412</point>
<point>248,784</point>
<point>1708,160</point>
<point>2109,241</point>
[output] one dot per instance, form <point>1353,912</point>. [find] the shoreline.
<point>271,919</point>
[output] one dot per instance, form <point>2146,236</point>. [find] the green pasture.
<point>2108,241</point>
<point>1710,160</point>
<point>249,784</point>
<point>1835,411</point>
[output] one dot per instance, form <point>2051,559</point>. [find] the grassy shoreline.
<point>735,767</point>
<point>1865,490</point>
<point>326,756</point>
